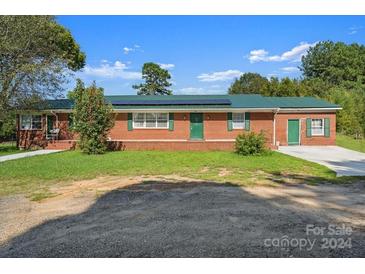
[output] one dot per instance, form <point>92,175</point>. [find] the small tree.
<point>92,117</point>
<point>157,80</point>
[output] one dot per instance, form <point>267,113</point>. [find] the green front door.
<point>196,125</point>
<point>293,132</point>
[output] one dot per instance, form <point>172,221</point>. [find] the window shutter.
<point>229,121</point>
<point>247,121</point>
<point>171,121</point>
<point>327,127</point>
<point>130,121</point>
<point>309,127</point>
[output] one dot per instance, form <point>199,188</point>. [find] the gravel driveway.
<point>177,217</point>
<point>344,162</point>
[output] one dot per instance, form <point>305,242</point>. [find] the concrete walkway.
<point>344,162</point>
<point>28,154</point>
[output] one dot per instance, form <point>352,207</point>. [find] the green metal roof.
<point>58,104</point>
<point>300,102</point>
<point>253,101</point>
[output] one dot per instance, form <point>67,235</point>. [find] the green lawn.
<point>37,173</point>
<point>350,143</point>
<point>8,148</point>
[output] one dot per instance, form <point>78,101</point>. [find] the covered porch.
<point>44,130</point>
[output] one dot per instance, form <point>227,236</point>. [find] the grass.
<point>8,148</point>
<point>40,195</point>
<point>35,175</point>
<point>350,143</point>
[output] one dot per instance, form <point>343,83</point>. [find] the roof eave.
<point>186,110</point>
<point>317,109</point>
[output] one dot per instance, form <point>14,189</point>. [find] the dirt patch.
<point>172,216</point>
<point>19,213</point>
<point>224,172</point>
<point>204,169</point>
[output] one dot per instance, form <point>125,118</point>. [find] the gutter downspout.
<point>274,127</point>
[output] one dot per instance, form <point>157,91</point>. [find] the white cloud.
<point>167,66</point>
<point>295,54</point>
<point>258,55</point>
<point>354,29</point>
<point>199,90</point>
<point>127,50</point>
<point>274,74</point>
<point>117,70</point>
<point>219,76</point>
<point>290,69</point>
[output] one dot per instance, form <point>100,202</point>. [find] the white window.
<point>29,122</point>
<point>317,127</point>
<point>238,120</point>
<point>150,120</point>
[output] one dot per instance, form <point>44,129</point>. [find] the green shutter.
<point>327,127</point>
<point>309,127</point>
<point>247,121</point>
<point>171,121</point>
<point>130,121</point>
<point>229,121</point>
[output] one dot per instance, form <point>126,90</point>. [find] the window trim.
<point>244,120</point>
<point>322,131</point>
<point>31,122</point>
<point>144,120</point>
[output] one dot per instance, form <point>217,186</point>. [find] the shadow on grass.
<point>4,148</point>
<point>284,178</point>
<point>182,218</point>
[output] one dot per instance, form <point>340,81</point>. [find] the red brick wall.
<point>172,145</point>
<point>30,138</point>
<point>215,129</point>
<point>181,129</point>
<point>64,134</point>
<point>263,122</point>
<point>282,124</point>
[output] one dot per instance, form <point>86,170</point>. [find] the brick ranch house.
<point>188,122</point>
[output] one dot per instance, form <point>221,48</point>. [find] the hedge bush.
<point>250,144</point>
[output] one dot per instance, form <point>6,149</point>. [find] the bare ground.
<point>172,216</point>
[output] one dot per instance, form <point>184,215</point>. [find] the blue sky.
<point>204,54</point>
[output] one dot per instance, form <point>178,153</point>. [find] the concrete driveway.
<point>344,162</point>
<point>28,154</point>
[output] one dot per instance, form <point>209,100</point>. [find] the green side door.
<point>196,126</point>
<point>293,132</point>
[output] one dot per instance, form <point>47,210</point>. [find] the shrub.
<point>250,144</point>
<point>92,118</point>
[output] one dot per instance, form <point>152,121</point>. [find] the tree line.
<point>330,70</point>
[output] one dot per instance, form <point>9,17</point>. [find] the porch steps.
<point>61,144</point>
